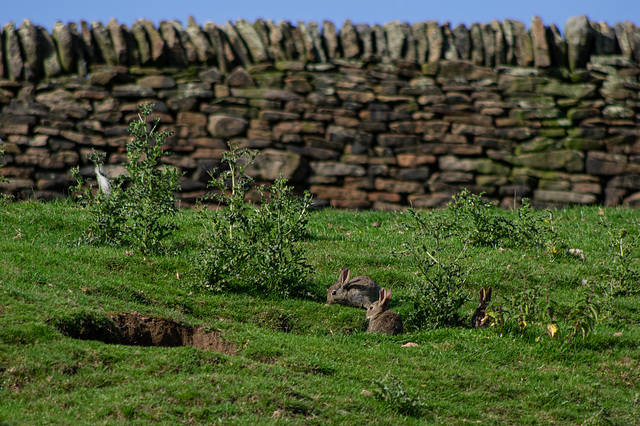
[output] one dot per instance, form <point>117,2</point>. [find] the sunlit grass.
<point>299,360</point>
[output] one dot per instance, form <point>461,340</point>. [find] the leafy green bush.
<point>624,268</point>
<point>440,248</point>
<point>438,296</point>
<point>479,223</point>
<point>536,308</point>
<point>249,248</point>
<point>138,208</point>
<point>390,391</point>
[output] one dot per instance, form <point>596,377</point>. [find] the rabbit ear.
<point>387,296</point>
<point>488,299</point>
<point>381,295</point>
<point>482,295</point>
<point>344,276</point>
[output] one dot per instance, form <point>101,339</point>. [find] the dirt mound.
<point>139,330</point>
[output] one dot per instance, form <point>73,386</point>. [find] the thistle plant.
<point>624,267</point>
<point>391,392</point>
<point>137,214</point>
<point>481,226</point>
<point>254,248</point>
<point>439,293</point>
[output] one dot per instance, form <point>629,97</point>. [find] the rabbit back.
<point>388,322</point>
<point>358,292</point>
<point>381,319</point>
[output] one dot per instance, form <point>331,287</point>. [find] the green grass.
<point>300,361</point>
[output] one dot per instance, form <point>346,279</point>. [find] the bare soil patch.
<point>135,329</point>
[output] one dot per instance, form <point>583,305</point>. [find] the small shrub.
<point>439,249</point>
<point>624,267</point>
<point>536,308</point>
<point>583,314</point>
<point>439,295</point>
<point>479,224</point>
<point>390,391</point>
<point>249,248</point>
<point>138,209</point>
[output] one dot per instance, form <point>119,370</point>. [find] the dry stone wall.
<point>364,117</point>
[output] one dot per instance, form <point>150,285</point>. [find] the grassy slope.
<point>317,370</point>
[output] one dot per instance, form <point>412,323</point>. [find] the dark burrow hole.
<point>138,330</point>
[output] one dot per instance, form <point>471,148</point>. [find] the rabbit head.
<point>381,319</point>
<point>479,317</point>
<point>359,292</point>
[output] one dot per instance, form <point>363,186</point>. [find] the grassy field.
<point>298,360</point>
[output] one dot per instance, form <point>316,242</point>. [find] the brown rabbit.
<point>382,320</point>
<point>479,317</point>
<point>360,292</point>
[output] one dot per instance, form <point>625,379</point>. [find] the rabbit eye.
<point>334,292</point>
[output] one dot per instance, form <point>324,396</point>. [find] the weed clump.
<point>135,209</point>
<point>249,248</point>
<point>392,394</point>
<point>476,221</point>
<point>440,250</point>
<point>624,269</point>
<point>439,294</point>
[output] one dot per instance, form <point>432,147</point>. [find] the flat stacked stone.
<point>375,116</point>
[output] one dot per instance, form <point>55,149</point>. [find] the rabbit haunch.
<point>381,319</point>
<point>359,292</point>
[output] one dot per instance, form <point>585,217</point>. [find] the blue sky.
<point>47,12</point>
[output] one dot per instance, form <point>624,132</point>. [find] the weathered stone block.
<point>356,96</point>
<point>602,163</point>
<point>439,199</point>
<point>267,93</point>
<point>578,34</point>
<point>396,186</point>
<point>618,111</point>
<point>345,136</point>
<point>563,197</point>
<point>388,197</point>
<point>452,177</point>
<point>132,91</point>
<point>490,180</point>
<point>480,165</point>
<point>572,161</point>
<point>337,193</point>
<point>627,181</point>
<point>554,185</point>
<point>16,184</point>
<point>226,126</point>
<point>418,173</point>
<point>332,168</point>
<point>411,160</point>
<point>569,90</point>
<point>588,187</point>
<point>271,163</point>
<point>541,54</point>
<point>271,115</point>
<point>468,129</point>
<point>157,82</point>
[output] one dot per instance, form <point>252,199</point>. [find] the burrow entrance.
<point>138,330</point>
